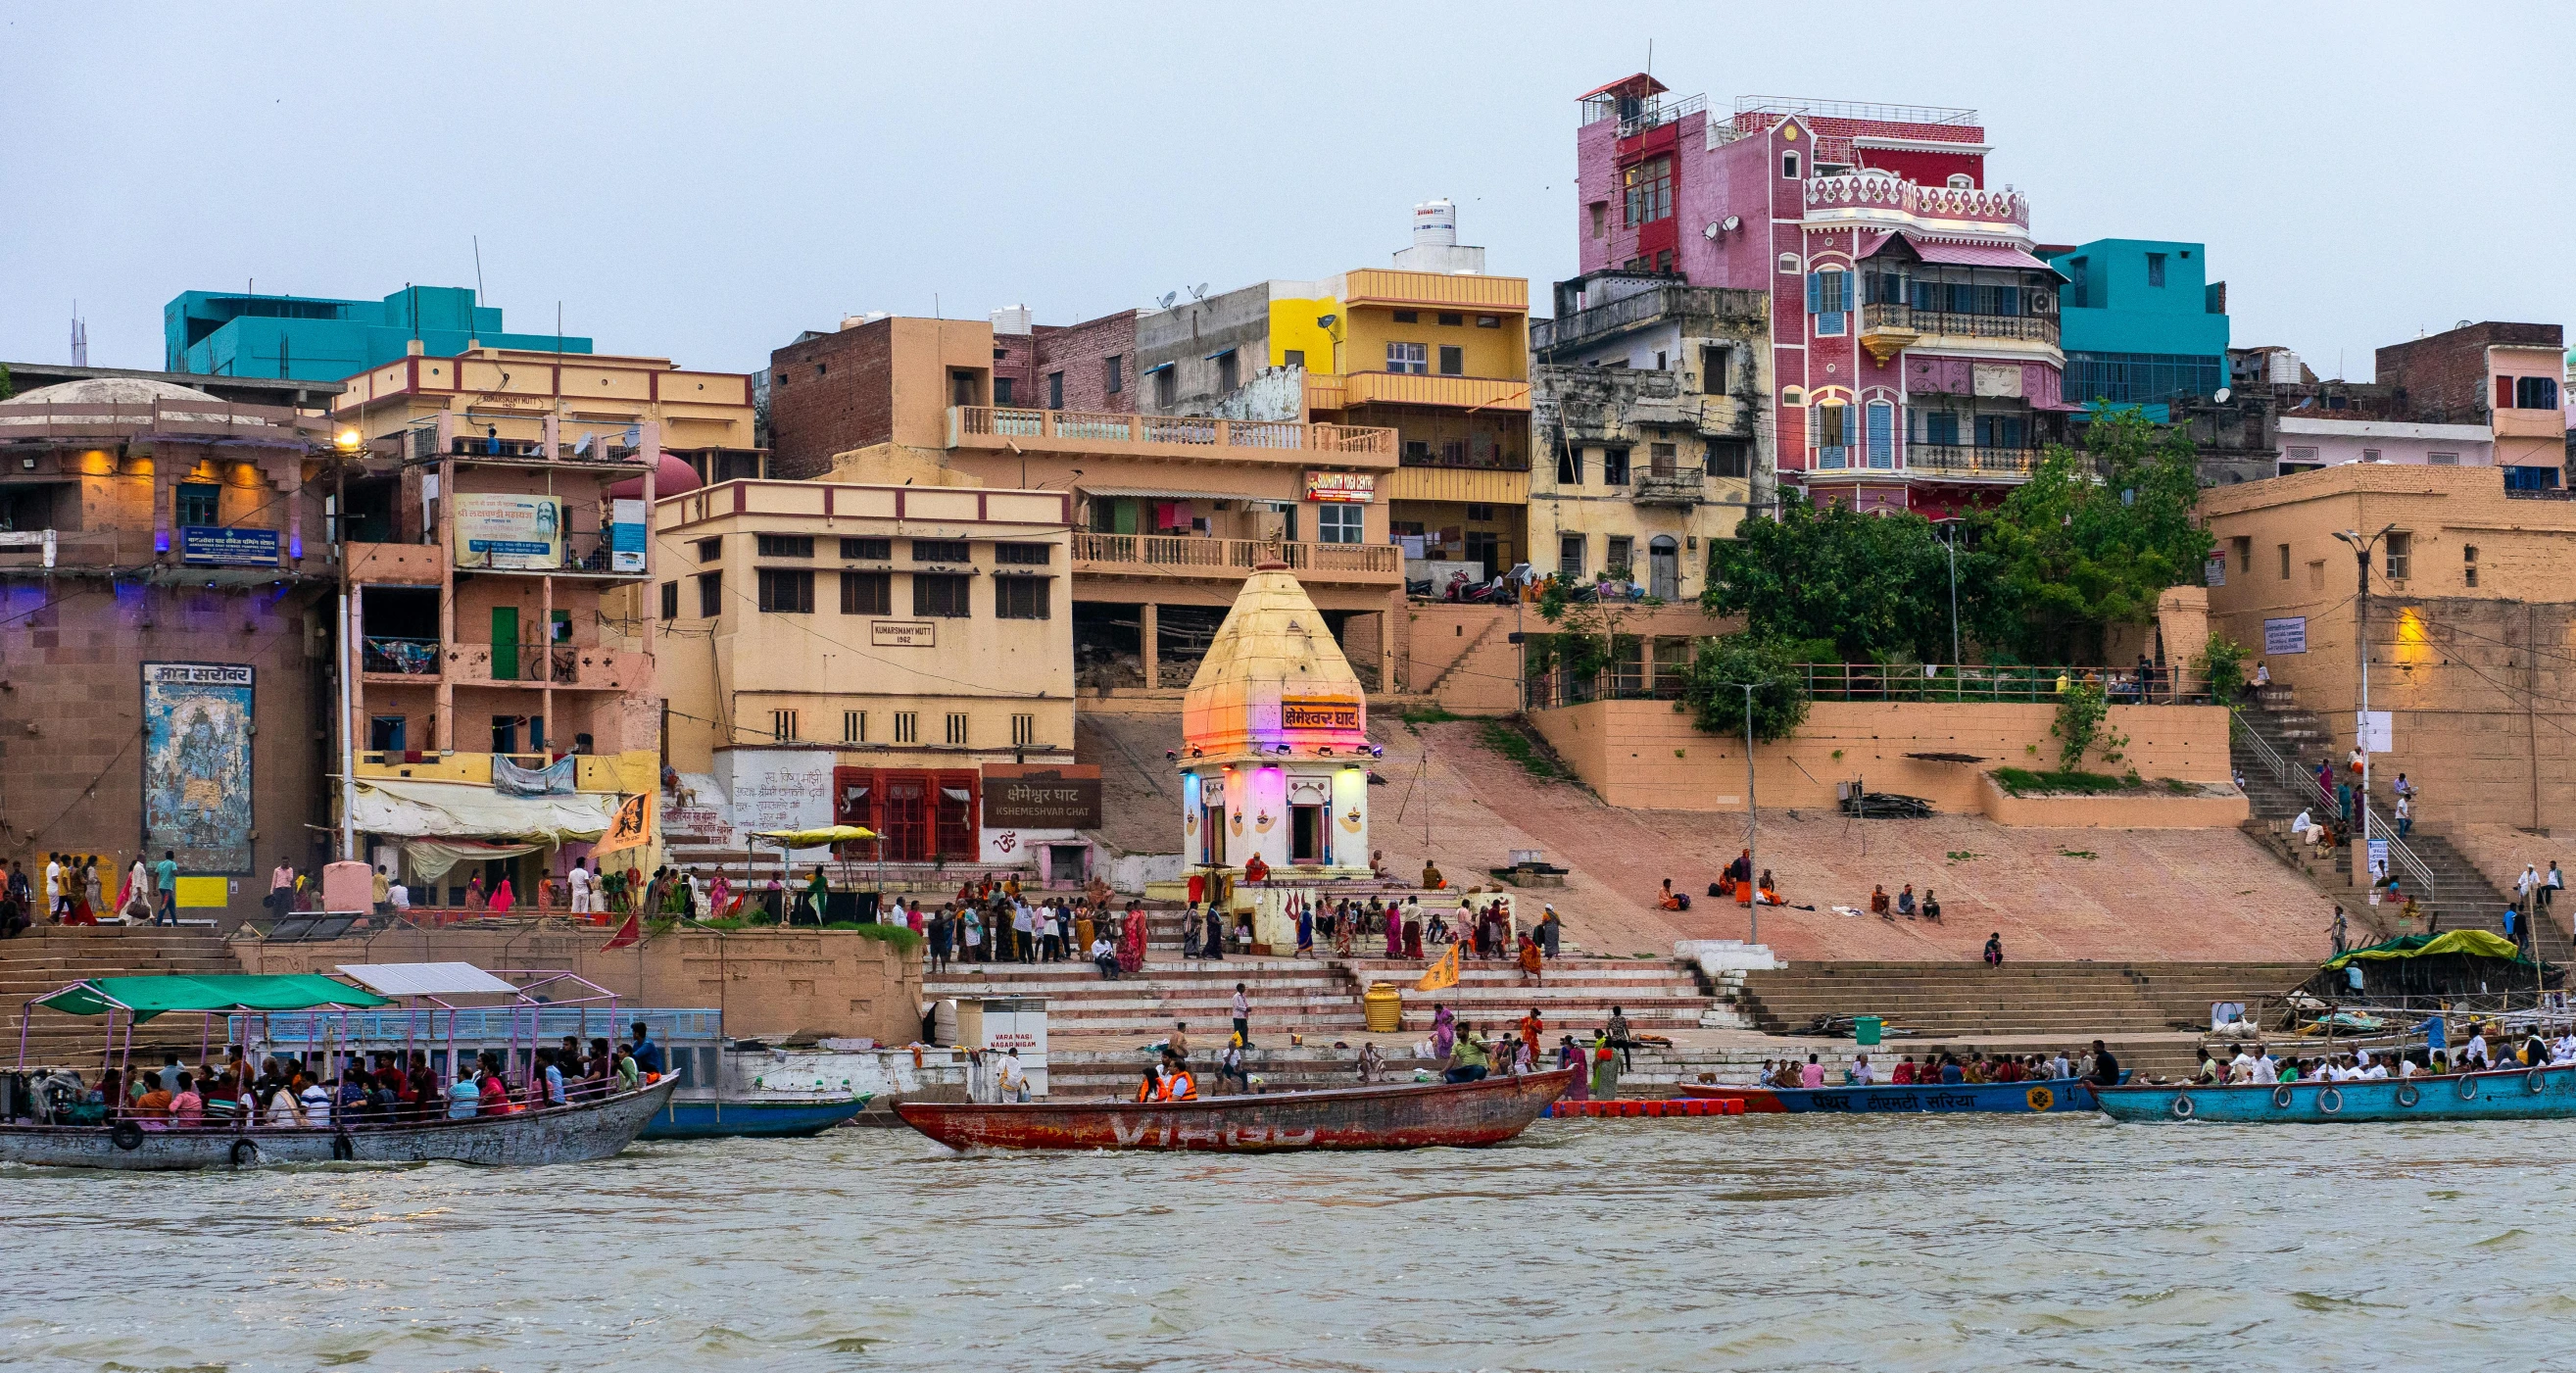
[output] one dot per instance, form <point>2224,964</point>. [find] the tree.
<point>2090,541</point>
<point>1588,632</point>
<point>8,387</point>
<point>1872,587</point>
<point>1713,687</point>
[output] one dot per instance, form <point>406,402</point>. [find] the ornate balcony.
<point>1893,203</point>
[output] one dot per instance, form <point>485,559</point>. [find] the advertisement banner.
<point>501,531</point>
<point>626,536</point>
<point>197,764</point>
<point>207,543</point>
<point>1356,487</point>
<point>1034,796</point>
<point>2286,636</point>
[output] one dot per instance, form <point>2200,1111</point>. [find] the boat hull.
<point>580,1133</point>
<point>751,1119</point>
<point>1406,1116</point>
<point>1999,1098</point>
<point>2513,1094</point>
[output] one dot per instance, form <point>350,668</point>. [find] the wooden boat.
<point>2503,1094</point>
<point>2002,1098</point>
<point>1400,1116</point>
<point>580,1133</point>
<point>752,1118</point>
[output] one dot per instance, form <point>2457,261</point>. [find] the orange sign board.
<point>1319,712</point>
<point>1352,487</point>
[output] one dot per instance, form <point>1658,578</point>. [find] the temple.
<point>1275,741</point>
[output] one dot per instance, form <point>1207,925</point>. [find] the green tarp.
<point>221,992</point>
<point>2477,943</point>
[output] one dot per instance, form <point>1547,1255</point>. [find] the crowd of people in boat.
<point>1973,1068</point>
<point>2489,1047</point>
<point>385,1087</point>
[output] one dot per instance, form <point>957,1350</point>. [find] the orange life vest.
<point>1180,1087</point>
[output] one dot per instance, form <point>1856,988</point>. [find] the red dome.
<point>670,477</point>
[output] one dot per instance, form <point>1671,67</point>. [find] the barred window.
<point>782,725</point>
<point>1024,731</point>
<point>868,550</point>
<point>1023,554</point>
<point>1021,598</point>
<point>938,596</point>
<point>787,545</point>
<point>957,730</point>
<point>867,593</point>
<point>907,727</point>
<point>786,591</point>
<point>854,726</point>
<point>710,594</point>
<point>940,551</point>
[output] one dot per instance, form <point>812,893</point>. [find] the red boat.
<point>1405,1116</point>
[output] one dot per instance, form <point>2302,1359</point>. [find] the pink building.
<point>1914,335</point>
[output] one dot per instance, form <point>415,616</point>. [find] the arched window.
<point>1829,433</point>
<point>1789,263</point>
<point>1789,166</point>
<point>1880,418</point>
<point>1961,181</point>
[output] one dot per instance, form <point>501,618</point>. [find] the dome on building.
<point>1273,675</point>
<point>112,391</point>
<point>671,476</point>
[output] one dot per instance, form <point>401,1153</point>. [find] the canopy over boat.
<point>426,979</point>
<point>215,993</point>
<point>2475,942</point>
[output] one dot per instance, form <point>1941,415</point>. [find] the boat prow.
<point>1398,1116</point>
<point>1938,1098</point>
<point>2546,1093</point>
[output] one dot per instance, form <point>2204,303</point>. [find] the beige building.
<point>568,402</point>
<point>2472,628</point>
<point>1648,395</point>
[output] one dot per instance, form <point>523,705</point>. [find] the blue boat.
<point>751,1118</point>
<point>2504,1094</point>
<point>2001,1098</point>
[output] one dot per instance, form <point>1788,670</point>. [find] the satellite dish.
<point>1199,292</point>
<point>1733,223</point>
<point>1165,301</point>
<point>1712,231</point>
<point>2221,397</point>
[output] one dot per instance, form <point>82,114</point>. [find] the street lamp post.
<point>1753,823</point>
<point>1952,544</point>
<point>2361,551</point>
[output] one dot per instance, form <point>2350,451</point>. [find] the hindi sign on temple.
<point>1309,712</point>
<point>1062,796</point>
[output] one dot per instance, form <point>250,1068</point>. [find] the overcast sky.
<point>705,183</point>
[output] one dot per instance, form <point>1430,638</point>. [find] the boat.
<point>2547,1093</point>
<point>2002,1098</point>
<point>752,1117</point>
<point>583,1132</point>
<point>1398,1116</point>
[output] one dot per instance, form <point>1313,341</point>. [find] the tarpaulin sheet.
<point>152,996</point>
<point>454,810</point>
<point>555,779</point>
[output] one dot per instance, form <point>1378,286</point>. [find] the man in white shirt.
<point>2378,1072</point>
<point>579,879</point>
<point>2266,1070</point>
<point>2241,1067</point>
<point>399,895</point>
<point>1012,1080</point>
<point>54,903</point>
<point>2474,1057</point>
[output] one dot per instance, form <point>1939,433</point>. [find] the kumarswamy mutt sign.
<point>1033,796</point>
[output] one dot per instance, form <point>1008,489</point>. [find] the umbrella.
<point>813,839</point>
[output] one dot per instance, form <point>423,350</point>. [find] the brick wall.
<point>1081,352</point>
<point>828,395</point>
<point>2442,379</point>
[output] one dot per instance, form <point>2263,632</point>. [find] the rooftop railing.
<point>1008,422</point>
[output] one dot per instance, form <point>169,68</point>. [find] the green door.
<point>1124,521</point>
<point>505,643</point>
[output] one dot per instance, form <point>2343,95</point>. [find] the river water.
<point>1785,1243</point>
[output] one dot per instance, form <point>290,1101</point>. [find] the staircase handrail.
<point>2399,855</point>
<point>2302,783</point>
<point>2284,771</point>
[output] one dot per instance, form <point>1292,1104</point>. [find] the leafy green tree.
<point>1872,587</point>
<point>8,387</point>
<point>2090,541</point>
<point>1713,687</point>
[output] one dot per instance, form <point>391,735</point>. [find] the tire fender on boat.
<point>2182,1106</point>
<point>2281,1097</point>
<point>2407,1095</point>
<point>126,1135</point>
<point>2467,1087</point>
<point>245,1153</point>
<point>2534,1082</point>
<point>343,1148</point>
<point>2330,1100</point>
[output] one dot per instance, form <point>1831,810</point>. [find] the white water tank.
<point>1013,319</point>
<point>1435,224</point>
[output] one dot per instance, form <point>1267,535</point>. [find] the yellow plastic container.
<point>1384,1009</point>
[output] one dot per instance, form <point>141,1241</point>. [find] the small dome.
<point>1273,648</point>
<point>671,476</point>
<point>111,391</point>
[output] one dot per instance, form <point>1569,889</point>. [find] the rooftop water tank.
<point>1435,224</point>
<point>1013,319</point>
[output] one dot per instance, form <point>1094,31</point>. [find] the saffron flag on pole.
<point>1443,973</point>
<point>632,827</point>
<point>627,935</point>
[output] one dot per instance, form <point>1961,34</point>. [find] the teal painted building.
<point>312,338</point>
<point>2140,321</point>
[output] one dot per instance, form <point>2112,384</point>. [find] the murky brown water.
<point>1771,1244</point>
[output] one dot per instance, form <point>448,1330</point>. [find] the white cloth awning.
<point>424,979</point>
<point>456,810</point>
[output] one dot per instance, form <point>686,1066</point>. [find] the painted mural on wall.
<point>197,764</point>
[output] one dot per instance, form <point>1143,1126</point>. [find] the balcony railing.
<point>1682,486</point>
<point>1969,458</point>
<point>403,657</point>
<point>1836,198</point>
<point>1005,422</point>
<point>1185,554</point>
<point>2034,328</point>
<point>1871,682</point>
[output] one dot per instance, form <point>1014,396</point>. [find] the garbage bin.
<point>1865,1030</point>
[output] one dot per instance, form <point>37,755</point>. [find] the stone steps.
<point>2056,999</point>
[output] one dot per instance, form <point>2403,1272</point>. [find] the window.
<point>1024,731</point>
<point>907,727</point>
<point>1453,360</point>
<point>1476,510</point>
<point>1167,387</point>
<point>1712,368</point>
<point>2002,431</point>
<point>821,368</point>
<point>1340,522</point>
<point>786,545</point>
<point>1417,452</point>
<point>2244,554</point>
<point>1055,390</point>
<point>1002,390</point>
<point>1659,459</point>
<point>2534,393</point>
<point>2442,459</point>
<point>1408,316</point>
<point>1829,430</point>
<point>940,551</point>
<point>1789,166</point>
<point>2155,270</point>
<point>1617,554</point>
<point>2317,575</point>
<point>1569,467</point>
<point>1879,419</point>
<point>1661,362</point>
<point>670,600</point>
<point>1228,374</point>
<point>1293,357</point>
<point>2079,283</point>
<point>787,591</point>
<point>957,729</point>
<point>709,550</point>
<point>2370,455</point>
<point>385,733</point>
<point>854,726</point>
<point>939,596</point>
<point>2469,563</point>
<point>1829,299</point>
<point>1941,428</point>
<point>867,593</point>
<point>782,725</point>
<point>2400,556</point>
<point>1600,218</point>
<point>1408,357</point>
<point>868,550</point>
<point>1789,264</point>
<point>1453,321</point>
<point>1021,598</point>
<point>2285,562</point>
<point>1114,376</point>
<point>961,387</point>
<point>197,503</point>
<point>1729,458</point>
<point>1961,181</point>
<point>1489,321</point>
<point>710,595</point>
<point>1024,554</point>
<point>1614,467</point>
<point>1569,555</point>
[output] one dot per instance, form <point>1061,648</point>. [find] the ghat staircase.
<point>49,956</point>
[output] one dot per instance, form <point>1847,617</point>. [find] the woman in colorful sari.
<point>1412,932</point>
<point>1131,942</point>
<point>473,892</point>
<point>1394,935</point>
<point>1305,930</point>
<point>1570,1055</point>
<point>1444,1031</point>
<point>722,894</point>
<point>1605,1067</point>
<point>1345,930</point>
<point>501,898</point>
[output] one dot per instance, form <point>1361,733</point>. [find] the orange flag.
<point>632,826</point>
<point>1443,973</point>
<point>627,935</point>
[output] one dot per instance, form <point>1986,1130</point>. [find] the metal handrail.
<point>2302,783</point>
